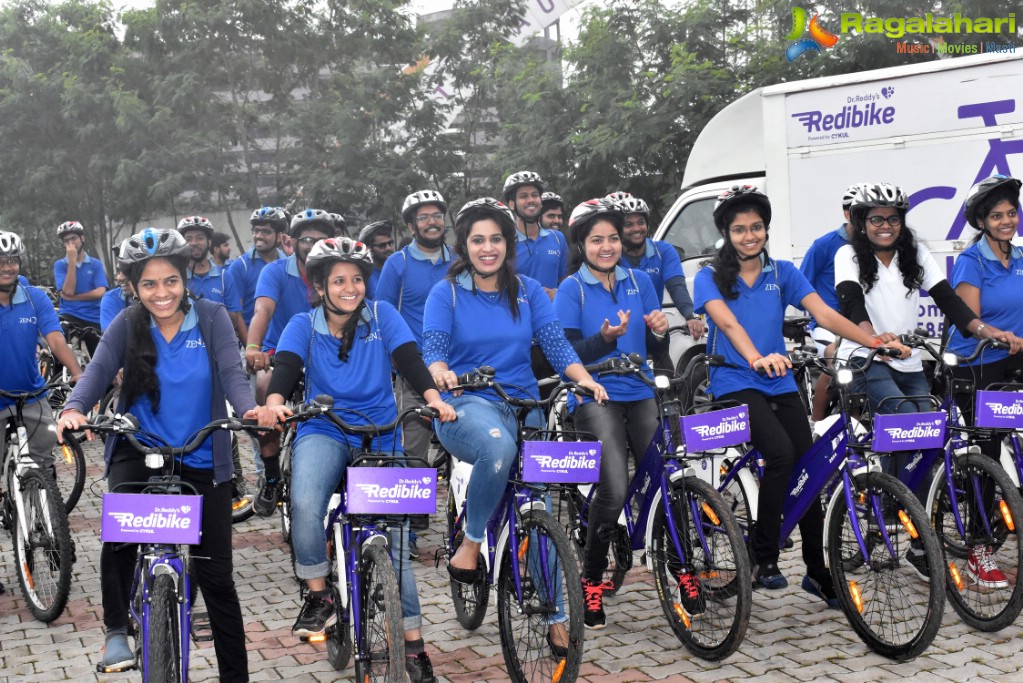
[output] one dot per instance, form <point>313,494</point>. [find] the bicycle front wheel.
<point>980,541</point>
<point>69,468</point>
<point>380,654</point>
<point>164,647</point>
<point>894,609</point>
<point>707,595</point>
<point>42,546</point>
<point>540,605</point>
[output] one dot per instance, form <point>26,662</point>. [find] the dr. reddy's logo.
<point>819,38</point>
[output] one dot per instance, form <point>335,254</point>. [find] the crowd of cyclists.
<point>520,289</point>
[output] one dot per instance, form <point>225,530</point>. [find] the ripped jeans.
<point>485,436</point>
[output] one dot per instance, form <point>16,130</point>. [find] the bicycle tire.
<point>894,611</point>
<point>241,503</point>
<point>69,468</point>
<point>738,500</point>
<point>524,626</point>
<point>470,602</point>
<point>164,633</point>
<point>986,608</point>
<point>44,556</point>
<point>718,560</point>
<point>339,636</point>
<point>381,647</point>
<point>619,550</point>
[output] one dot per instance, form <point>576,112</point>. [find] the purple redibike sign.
<point>999,409</point>
<point>716,429</point>
<point>151,518</point>
<point>909,431</point>
<point>561,462</point>
<point>392,490</point>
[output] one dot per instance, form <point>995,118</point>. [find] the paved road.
<point>791,636</point>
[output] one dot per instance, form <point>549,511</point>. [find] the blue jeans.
<point>317,464</point>
<point>485,436</point>
<point>886,387</point>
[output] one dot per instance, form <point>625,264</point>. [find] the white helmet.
<point>70,228</point>
<point>420,198</point>
<point>517,180</point>
<point>196,223</point>
<point>871,195</point>
<point>11,244</point>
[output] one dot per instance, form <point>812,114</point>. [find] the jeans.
<point>318,463</point>
<point>485,436</point>
<point>886,388</point>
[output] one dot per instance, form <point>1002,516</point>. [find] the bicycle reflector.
<point>908,523</point>
<point>857,597</point>
<point>956,578</point>
<point>1006,515</point>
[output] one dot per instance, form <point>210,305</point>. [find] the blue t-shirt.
<point>818,266</point>
<point>544,259</point>
<point>406,280</point>
<point>661,262</point>
<point>29,315</point>
<point>186,392</point>
<point>245,271</point>
<point>371,286</point>
<point>112,303</point>
<point>90,275</point>
<point>216,285</point>
<point>363,383</point>
<point>583,304</point>
<point>1001,296</point>
<point>483,331</point>
<point>282,282</point>
<point>760,310</point>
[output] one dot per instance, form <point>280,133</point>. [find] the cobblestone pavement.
<point>791,636</point>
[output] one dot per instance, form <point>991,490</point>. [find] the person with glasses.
<point>281,293</point>
<point>268,224</point>
<point>81,282</point>
<point>379,237</point>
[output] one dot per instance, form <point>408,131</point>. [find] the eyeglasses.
<point>757,227</point>
<point>6,261</point>
<point>424,218</point>
<point>383,245</point>
<point>263,232</point>
<point>308,240</point>
<point>878,221</point>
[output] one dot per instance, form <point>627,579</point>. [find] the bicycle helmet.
<point>592,208</point>
<point>326,253</point>
<point>370,231</point>
<point>1003,185</point>
<point>340,224</point>
<point>517,180</point>
<point>11,244</point>
<point>274,216</point>
<point>871,195</point>
<point>312,218</point>
<point>850,192</point>
<point>548,200</point>
<point>420,198</point>
<point>70,228</point>
<point>196,223</point>
<point>150,243</point>
<point>486,207</point>
<point>740,194</point>
<point>618,196</point>
<point>634,205</point>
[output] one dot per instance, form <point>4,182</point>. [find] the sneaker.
<point>981,568</point>
<point>769,576</point>
<point>918,561</point>
<point>420,669</point>
<point>317,614</point>
<point>593,599</point>
<point>267,498</point>
<point>825,590</point>
<point>413,547</point>
<point>117,655</point>
<point>690,594</point>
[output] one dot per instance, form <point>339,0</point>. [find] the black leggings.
<point>215,576</point>
<point>780,431</point>
<point>613,424</point>
<point>90,331</point>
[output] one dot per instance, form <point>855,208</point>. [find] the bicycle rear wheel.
<point>889,605</point>
<point>339,636</point>
<point>989,507</point>
<point>548,577</point>
<point>164,647</point>
<point>470,602</point>
<point>381,648</point>
<point>42,546</point>
<point>706,597</point>
<point>69,467</point>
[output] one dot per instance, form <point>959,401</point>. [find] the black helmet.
<point>740,194</point>
<point>984,189</point>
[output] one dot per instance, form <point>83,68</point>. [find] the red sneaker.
<point>982,569</point>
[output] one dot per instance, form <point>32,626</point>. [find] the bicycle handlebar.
<point>128,426</point>
<point>323,406</point>
<point>483,378</point>
<point>918,339</point>
<point>26,395</point>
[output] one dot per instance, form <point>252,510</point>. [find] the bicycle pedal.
<point>202,632</point>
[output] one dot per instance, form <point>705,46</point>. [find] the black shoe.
<point>918,561</point>
<point>690,594</point>
<point>825,590</point>
<point>267,498</point>
<point>419,669</point>
<point>769,576</point>
<point>413,547</point>
<point>556,650</point>
<point>317,614</point>
<point>593,601</point>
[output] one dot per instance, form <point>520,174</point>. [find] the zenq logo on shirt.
<point>194,343</point>
<point>27,321</point>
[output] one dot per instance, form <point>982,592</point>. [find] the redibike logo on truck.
<point>858,111</point>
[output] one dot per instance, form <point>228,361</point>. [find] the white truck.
<point>934,128</point>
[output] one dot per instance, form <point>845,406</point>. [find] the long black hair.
<point>140,378</point>
<point>579,232</point>
<point>905,247</point>
<point>319,273</point>
<point>507,281</point>
<point>726,263</point>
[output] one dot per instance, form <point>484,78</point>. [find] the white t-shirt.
<point>889,307</point>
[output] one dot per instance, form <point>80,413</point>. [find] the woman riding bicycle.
<point>597,292</point>
<point>482,313</point>
<point>181,366</point>
<point>745,293</point>
<point>346,346</point>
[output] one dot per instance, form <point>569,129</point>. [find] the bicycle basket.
<point>716,429</point>
<point>391,490</point>
<point>561,462</point>
<point>999,409</point>
<point>909,431</point>
<point>151,518</point>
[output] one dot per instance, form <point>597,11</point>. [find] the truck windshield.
<point>693,232</point>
